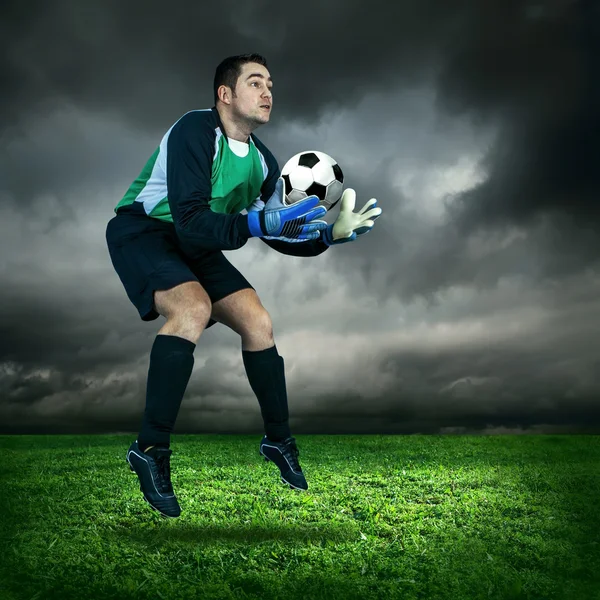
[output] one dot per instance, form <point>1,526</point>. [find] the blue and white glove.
<point>296,223</point>
<point>349,225</point>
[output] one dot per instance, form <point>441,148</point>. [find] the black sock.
<point>266,374</point>
<point>171,363</point>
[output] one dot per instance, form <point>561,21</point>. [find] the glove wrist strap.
<point>327,235</point>
<point>256,221</point>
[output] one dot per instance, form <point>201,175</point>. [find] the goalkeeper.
<point>210,186</point>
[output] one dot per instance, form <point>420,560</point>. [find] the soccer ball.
<point>313,173</point>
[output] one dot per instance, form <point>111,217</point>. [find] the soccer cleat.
<point>154,472</point>
<point>285,455</point>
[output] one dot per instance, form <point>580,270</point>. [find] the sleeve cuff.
<point>244,226</point>
<point>327,235</point>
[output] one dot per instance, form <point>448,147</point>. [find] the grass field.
<point>385,517</point>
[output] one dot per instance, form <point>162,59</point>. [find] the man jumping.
<point>210,186</point>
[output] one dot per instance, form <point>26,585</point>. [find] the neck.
<point>234,129</point>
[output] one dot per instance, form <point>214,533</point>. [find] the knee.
<point>198,313</point>
<point>194,316</point>
<point>260,323</point>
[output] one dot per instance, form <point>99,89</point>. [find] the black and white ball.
<point>313,173</point>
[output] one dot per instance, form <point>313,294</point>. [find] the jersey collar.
<point>220,124</point>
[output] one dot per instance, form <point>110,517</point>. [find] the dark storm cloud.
<point>525,65</point>
<point>542,80</point>
<point>88,90</point>
<point>70,152</point>
<point>63,334</point>
<point>135,58</point>
<point>426,386</point>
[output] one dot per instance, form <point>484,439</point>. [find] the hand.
<point>298,222</point>
<point>349,225</point>
<point>258,204</point>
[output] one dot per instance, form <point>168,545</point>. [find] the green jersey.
<point>203,183</point>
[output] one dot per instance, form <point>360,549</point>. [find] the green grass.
<point>385,517</point>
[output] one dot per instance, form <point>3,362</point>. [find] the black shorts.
<point>146,256</point>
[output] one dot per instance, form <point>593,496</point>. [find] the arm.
<point>190,149</point>
<point>308,248</point>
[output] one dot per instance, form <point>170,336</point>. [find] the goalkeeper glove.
<point>298,222</point>
<point>349,225</point>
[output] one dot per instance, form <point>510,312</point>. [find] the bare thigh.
<point>187,308</point>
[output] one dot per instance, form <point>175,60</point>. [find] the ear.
<point>224,94</point>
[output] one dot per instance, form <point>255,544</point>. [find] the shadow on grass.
<point>207,535</point>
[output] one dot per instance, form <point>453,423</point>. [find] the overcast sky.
<point>471,306</point>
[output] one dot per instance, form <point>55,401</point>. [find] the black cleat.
<point>154,472</point>
<point>285,455</point>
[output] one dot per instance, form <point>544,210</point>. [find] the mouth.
<point>266,106</point>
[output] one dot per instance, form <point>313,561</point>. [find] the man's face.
<point>253,100</point>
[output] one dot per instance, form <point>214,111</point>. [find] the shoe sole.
<point>290,485</point>
<point>162,514</point>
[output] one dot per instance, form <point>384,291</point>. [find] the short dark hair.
<point>229,70</point>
